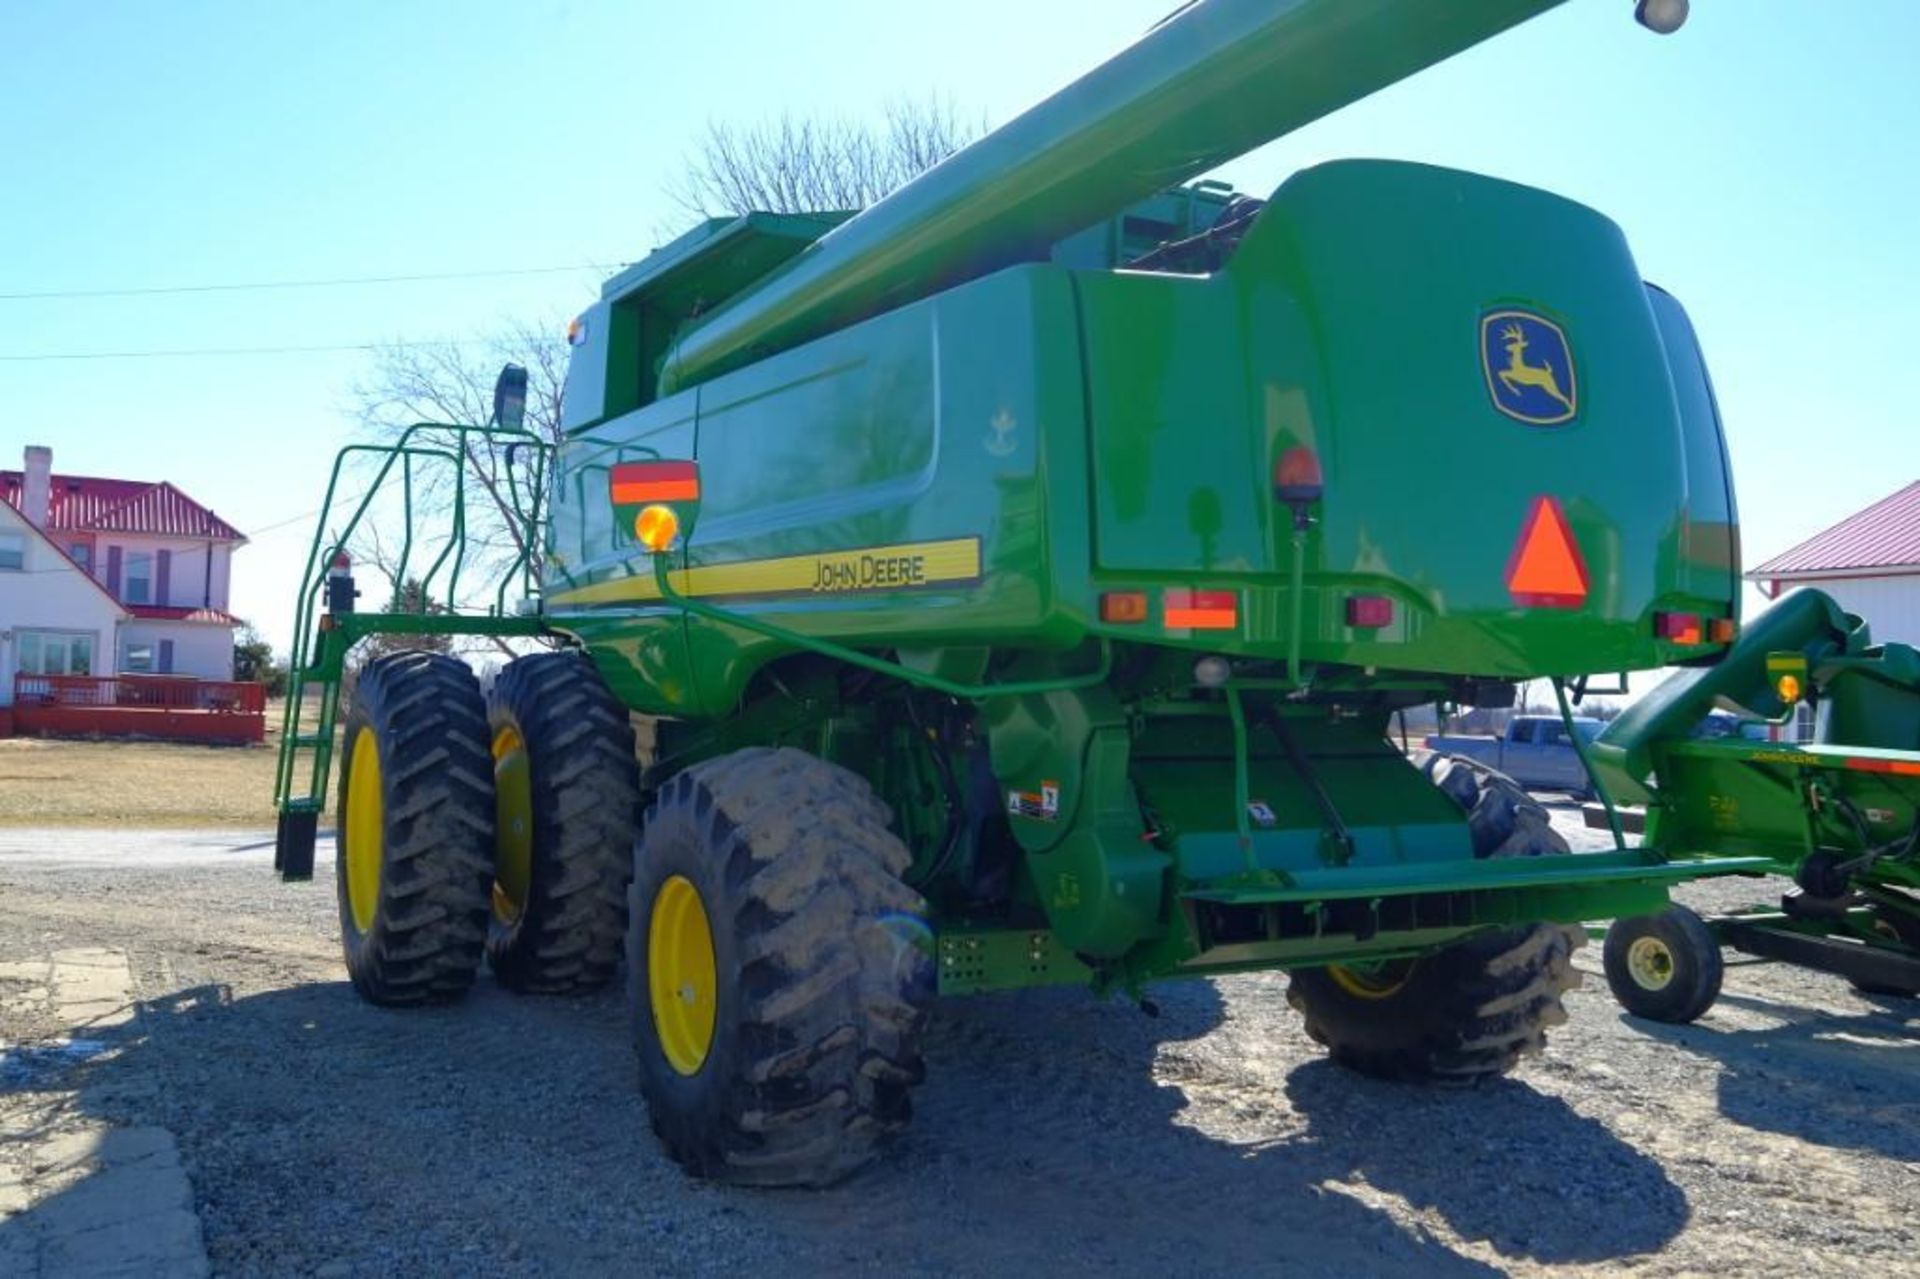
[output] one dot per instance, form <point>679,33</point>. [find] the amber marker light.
<point>1788,686</point>
<point>657,527</point>
<point>1123,606</point>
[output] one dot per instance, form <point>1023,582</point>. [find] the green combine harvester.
<point>1012,584</point>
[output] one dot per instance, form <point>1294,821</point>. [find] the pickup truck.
<point>1535,752</point>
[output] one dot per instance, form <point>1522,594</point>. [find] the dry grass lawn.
<point>46,782</point>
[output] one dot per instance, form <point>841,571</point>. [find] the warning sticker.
<point>1040,806</point>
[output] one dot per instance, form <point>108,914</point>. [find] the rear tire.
<point>1470,1011</point>
<point>415,829</point>
<point>568,793</point>
<point>778,970</point>
<point>1664,967</point>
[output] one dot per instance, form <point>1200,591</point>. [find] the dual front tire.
<point>473,825</point>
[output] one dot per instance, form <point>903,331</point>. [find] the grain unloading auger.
<point>1837,814</point>
<point>1015,581</point>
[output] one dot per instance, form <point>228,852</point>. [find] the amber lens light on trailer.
<point>1681,628</point>
<point>1189,610</point>
<point>1721,630</point>
<point>1788,687</point>
<point>1123,606</point>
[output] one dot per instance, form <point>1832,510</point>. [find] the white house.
<point>1869,562</point>
<point>133,574</point>
<point>54,617</point>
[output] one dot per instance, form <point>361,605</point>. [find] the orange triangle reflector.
<point>1546,570</point>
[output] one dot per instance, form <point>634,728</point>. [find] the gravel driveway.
<point>505,1135</point>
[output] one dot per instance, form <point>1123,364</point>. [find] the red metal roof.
<point>1885,535</point>
<point>89,503</point>
<point>168,613</point>
<point>61,551</point>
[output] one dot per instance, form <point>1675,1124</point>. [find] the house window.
<point>54,653</point>
<point>139,659</point>
<point>82,555</point>
<point>1805,726</point>
<point>13,551</point>
<point>138,585</point>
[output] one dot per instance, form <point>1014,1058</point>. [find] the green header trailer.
<point>1836,814</point>
<point>1013,584</point>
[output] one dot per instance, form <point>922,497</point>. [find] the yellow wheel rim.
<point>680,974</point>
<point>1650,963</point>
<point>366,822</point>
<point>1383,982</point>
<point>513,825</point>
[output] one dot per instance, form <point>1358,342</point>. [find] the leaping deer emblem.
<point>1519,373</point>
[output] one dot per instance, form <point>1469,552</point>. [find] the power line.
<point>324,283</point>
<point>190,352</point>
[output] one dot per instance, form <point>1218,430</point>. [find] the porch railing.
<point>158,692</point>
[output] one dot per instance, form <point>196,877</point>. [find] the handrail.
<point>426,443</point>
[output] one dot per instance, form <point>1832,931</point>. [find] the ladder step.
<point>310,739</point>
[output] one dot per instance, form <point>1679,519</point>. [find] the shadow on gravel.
<point>1847,1082</point>
<point>505,1135</point>
<point>1501,1162</point>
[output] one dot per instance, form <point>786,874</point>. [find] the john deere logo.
<point>1529,367</point>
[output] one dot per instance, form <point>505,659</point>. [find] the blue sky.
<point>1761,162</point>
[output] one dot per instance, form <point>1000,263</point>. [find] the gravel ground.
<point>505,1135</point>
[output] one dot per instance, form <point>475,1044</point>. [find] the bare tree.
<point>799,164</point>
<point>452,384</point>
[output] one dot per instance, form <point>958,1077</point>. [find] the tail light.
<point>1681,628</point>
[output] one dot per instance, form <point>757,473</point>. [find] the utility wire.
<point>188,352</point>
<point>326,283</point>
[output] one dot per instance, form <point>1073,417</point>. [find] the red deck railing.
<point>159,692</point>
<point>168,707</point>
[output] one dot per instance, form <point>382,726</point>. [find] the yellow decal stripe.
<point>904,567</point>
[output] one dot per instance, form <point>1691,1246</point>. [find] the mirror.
<point>510,397</point>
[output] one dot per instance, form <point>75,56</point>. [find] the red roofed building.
<point>1869,562</point>
<point>161,557</point>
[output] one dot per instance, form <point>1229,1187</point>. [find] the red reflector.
<point>1546,570</point>
<point>1123,606</point>
<point>1681,628</point>
<point>1369,610</point>
<point>637,483</point>
<point>1296,476</point>
<point>1903,768</point>
<point>1723,629</point>
<point>1201,610</point>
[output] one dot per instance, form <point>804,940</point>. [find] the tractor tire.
<point>1664,967</point>
<point>567,791</point>
<point>778,969</point>
<point>1901,930</point>
<point>1470,1011</point>
<point>416,830</point>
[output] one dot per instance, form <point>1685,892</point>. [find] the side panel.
<point>884,485</point>
<point>1710,525</point>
